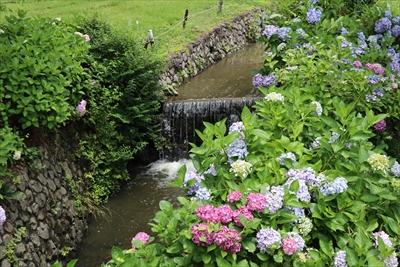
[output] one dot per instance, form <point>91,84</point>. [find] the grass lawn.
<point>136,17</point>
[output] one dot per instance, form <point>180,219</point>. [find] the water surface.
<point>129,212</point>
<point>230,77</point>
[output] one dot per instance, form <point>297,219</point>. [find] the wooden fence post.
<point>185,18</point>
<point>220,4</point>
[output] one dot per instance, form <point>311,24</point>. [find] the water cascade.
<point>181,118</point>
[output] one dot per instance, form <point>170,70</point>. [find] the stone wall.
<point>46,222</point>
<point>210,48</point>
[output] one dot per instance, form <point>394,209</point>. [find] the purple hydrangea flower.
<point>3,216</point>
<point>385,238</point>
<point>313,15</point>
<point>305,174</point>
<point>383,25</point>
<point>270,30</point>
<point>391,261</point>
<point>337,186</point>
<point>275,198</point>
<point>260,80</point>
<point>193,189</point>
<point>345,44</point>
<point>211,170</point>
<point>340,259</point>
<point>302,193</point>
<point>380,126</point>
<point>298,212</point>
<point>267,238</point>
<point>192,175</point>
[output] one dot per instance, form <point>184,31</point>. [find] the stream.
<point>225,84</point>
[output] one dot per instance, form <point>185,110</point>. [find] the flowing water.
<point>130,211</point>
<point>218,92</point>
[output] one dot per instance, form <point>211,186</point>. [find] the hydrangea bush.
<point>297,182</point>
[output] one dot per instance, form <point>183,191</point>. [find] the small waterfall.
<point>181,118</point>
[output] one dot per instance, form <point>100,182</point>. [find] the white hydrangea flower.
<point>274,97</point>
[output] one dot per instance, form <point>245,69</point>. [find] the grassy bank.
<point>135,18</point>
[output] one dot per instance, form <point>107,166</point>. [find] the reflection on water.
<point>231,77</point>
<point>129,212</point>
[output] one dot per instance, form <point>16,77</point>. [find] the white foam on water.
<point>166,171</point>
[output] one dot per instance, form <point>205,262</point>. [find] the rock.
<point>35,240</point>
<point>5,263</point>
<point>43,231</point>
<point>20,249</point>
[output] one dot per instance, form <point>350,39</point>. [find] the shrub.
<point>41,72</point>
<point>123,107</point>
<point>299,181</point>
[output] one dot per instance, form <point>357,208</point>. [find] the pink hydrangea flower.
<point>292,243</point>
<point>234,196</point>
<point>81,108</point>
<point>376,68</point>
<point>289,246</point>
<point>225,214</point>
<point>141,236</point>
<point>243,211</point>
<point>380,126</point>
<point>228,239</point>
<point>256,202</point>
<point>357,64</point>
<point>207,213</point>
<point>202,235</point>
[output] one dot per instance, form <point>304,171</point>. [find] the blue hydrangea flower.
<point>383,25</point>
<point>334,137</point>
<point>339,185</point>
<point>237,149</point>
<point>267,238</point>
<point>387,14</point>
<point>211,171</point>
<point>316,143</point>
<point>314,2</point>
<point>283,33</point>
<point>371,98</point>
<point>314,15</point>
<point>396,31</point>
<point>193,189</point>
<point>275,198</point>
<point>395,169</point>
<point>396,20</point>
<point>378,92</point>
<point>374,79</point>
<point>203,194</point>
<point>345,44</point>
<point>343,31</point>
<point>286,156</point>
<point>301,32</point>
<point>237,127</point>
<point>299,212</point>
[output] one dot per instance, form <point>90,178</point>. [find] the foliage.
<point>37,85</point>
<point>301,167</point>
<point>123,107</point>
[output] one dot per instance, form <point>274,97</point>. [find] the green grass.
<point>136,17</point>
